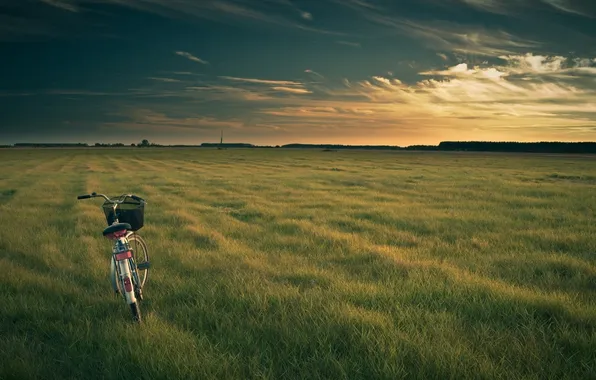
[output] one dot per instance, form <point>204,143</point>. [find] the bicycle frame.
<point>123,267</point>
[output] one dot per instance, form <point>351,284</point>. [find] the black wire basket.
<point>131,211</point>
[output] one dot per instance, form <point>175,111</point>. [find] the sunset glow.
<point>283,71</point>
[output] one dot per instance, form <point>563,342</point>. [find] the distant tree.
<point>133,144</point>
<point>144,143</point>
<point>97,144</point>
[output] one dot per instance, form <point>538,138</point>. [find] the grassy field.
<point>302,264</point>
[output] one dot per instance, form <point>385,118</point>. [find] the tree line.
<point>472,146</point>
<point>463,146</point>
<point>519,147</point>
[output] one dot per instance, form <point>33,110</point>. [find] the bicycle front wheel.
<point>140,254</point>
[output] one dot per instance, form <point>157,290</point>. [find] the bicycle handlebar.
<point>94,194</point>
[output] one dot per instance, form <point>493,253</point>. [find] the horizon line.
<point>91,145</point>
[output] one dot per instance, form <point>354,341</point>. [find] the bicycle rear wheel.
<point>140,254</point>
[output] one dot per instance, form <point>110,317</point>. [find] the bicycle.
<point>129,266</point>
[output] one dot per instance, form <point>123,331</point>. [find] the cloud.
<point>292,90</point>
<point>314,73</point>
<point>263,81</point>
<point>552,66</point>
<point>306,16</point>
<point>492,6</point>
<point>348,43</point>
<point>520,8</point>
<point>570,7</point>
<point>462,69</point>
<point>290,4</point>
<point>223,11</point>
<point>227,93</point>
<point>62,4</point>
<point>151,120</point>
<point>358,5</point>
<point>492,93</point>
<point>535,63</point>
<point>167,80</point>
<point>271,89</point>
<point>237,9</point>
<point>442,56</point>
<point>191,57</point>
<point>454,37</point>
<point>446,35</point>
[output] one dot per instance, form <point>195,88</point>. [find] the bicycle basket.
<point>131,211</point>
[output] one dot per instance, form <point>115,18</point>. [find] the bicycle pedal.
<point>143,266</point>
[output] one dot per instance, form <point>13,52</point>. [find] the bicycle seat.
<point>116,228</point>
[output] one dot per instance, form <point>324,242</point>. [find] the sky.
<point>273,72</point>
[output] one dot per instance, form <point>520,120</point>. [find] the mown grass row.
<point>303,264</point>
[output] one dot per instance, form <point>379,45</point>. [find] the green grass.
<point>302,264</point>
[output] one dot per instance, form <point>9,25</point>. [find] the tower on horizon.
<point>221,141</point>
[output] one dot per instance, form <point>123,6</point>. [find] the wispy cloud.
<point>224,10</point>
<point>580,8</point>
<point>238,9</point>
<point>250,89</point>
<point>268,87</point>
<point>522,7</point>
<point>309,71</point>
<point>62,4</point>
<point>565,6</point>
<point>454,37</point>
<point>557,66</point>
<point>227,93</point>
<point>493,6</point>
<point>151,120</point>
<point>359,4</point>
<point>348,43</point>
<point>264,81</point>
<point>290,4</point>
<point>462,70</point>
<point>191,57</point>
<point>167,80</point>
<point>482,37</point>
<point>292,90</point>
<point>306,15</point>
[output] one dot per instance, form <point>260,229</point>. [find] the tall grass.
<point>302,264</point>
